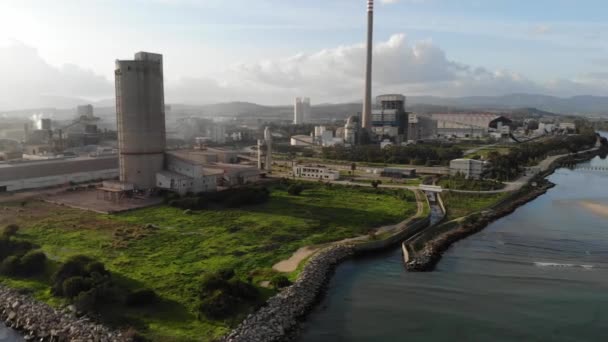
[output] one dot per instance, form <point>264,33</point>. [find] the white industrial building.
<point>24,175</point>
<point>301,110</point>
<point>302,140</point>
<point>315,172</point>
<point>469,168</point>
<point>184,175</point>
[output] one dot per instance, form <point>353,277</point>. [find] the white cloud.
<point>26,77</point>
<point>329,75</point>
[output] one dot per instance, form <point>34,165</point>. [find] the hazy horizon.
<point>270,51</point>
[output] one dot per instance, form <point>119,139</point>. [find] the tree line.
<point>416,155</point>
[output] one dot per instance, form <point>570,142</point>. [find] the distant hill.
<point>577,105</point>
<point>573,105</point>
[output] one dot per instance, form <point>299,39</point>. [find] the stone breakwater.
<point>39,322</point>
<point>278,319</point>
<point>426,259</point>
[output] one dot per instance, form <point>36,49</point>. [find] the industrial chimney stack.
<point>366,121</point>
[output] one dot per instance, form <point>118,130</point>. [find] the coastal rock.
<point>39,322</point>
<point>280,315</point>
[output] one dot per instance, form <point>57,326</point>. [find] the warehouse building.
<point>26,175</point>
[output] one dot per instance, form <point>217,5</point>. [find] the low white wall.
<point>43,182</point>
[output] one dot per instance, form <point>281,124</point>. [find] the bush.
<point>280,281</point>
<point>10,265</point>
<point>33,262</point>
<point>220,294</point>
<point>10,247</point>
<point>141,297</point>
<point>218,305</point>
<point>86,301</point>
<point>73,286</point>
<point>295,189</point>
<point>10,230</point>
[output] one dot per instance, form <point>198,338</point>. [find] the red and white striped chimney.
<point>370,5</point>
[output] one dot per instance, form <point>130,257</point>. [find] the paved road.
<point>525,179</point>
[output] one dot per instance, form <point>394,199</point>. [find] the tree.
<point>295,189</point>
<point>376,183</point>
<point>10,230</point>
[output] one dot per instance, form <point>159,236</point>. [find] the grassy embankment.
<point>171,258</point>
<point>458,206</point>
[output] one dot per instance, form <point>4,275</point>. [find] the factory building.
<point>469,168</point>
<point>389,119</point>
<point>351,130</point>
<point>467,125</point>
<point>315,172</point>
<point>85,111</point>
<point>420,127</point>
<point>183,175</point>
<point>140,110</point>
<point>25,175</point>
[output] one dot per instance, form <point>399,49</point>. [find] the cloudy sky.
<point>269,51</point>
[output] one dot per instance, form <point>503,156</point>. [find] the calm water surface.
<point>7,335</point>
<point>540,274</point>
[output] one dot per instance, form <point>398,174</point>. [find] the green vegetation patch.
<point>459,205</point>
<point>169,250</point>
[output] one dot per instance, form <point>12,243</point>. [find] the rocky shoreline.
<point>37,321</point>
<point>279,318</point>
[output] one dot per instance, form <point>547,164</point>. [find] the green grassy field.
<point>171,256</point>
<point>459,205</point>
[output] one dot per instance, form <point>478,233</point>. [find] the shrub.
<point>33,262</point>
<point>220,294</point>
<point>73,286</point>
<point>10,230</point>
<point>218,305</point>
<point>226,273</point>
<point>86,301</point>
<point>10,265</point>
<point>10,247</point>
<point>243,290</point>
<point>141,297</point>
<point>295,189</point>
<point>279,281</point>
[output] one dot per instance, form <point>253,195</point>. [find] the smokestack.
<point>366,121</point>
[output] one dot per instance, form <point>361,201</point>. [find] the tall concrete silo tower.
<point>366,120</point>
<point>140,111</point>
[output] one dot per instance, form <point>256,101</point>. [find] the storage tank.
<point>140,111</point>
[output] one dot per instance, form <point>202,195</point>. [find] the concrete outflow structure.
<point>366,121</point>
<point>265,151</point>
<point>140,110</point>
